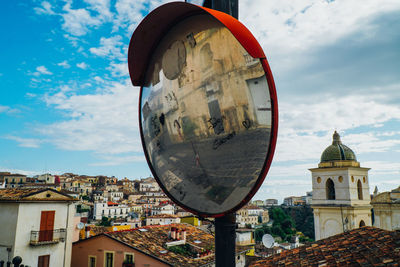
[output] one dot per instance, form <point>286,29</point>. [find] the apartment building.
<point>38,226</point>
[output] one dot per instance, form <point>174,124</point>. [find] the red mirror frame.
<point>145,39</point>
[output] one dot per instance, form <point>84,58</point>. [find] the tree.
<point>105,221</point>
<point>277,230</point>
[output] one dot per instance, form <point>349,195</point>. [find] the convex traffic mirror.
<point>208,108</point>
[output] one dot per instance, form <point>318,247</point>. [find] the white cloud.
<point>105,123</point>
<point>102,7</point>
<point>128,13</point>
<point>298,25</point>
<point>292,170</point>
<point>72,39</point>
<point>30,95</point>
<point>25,142</point>
<point>42,70</point>
<point>78,21</point>
<point>3,108</point>
<point>119,69</point>
<point>370,142</point>
<point>8,110</point>
<point>109,47</point>
<point>64,64</point>
<point>19,171</point>
<point>306,126</point>
<point>82,65</point>
<point>45,8</point>
<point>119,160</point>
<point>380,169</point>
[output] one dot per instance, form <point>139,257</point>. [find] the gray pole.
<point>225,238</point>
<point>225,227</point>
<point>230,7</point>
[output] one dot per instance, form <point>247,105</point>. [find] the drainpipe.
<point>66,234</point>
<point>9,249</point>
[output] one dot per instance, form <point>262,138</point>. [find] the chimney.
<point>173,233</point>
<point>87,231</point>
<point>183,235</point>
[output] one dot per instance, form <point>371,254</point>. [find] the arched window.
<point>330,189</point>
<point>359,190</point>
<point>362,223</point>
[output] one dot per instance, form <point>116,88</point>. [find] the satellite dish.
<point>80,225</point>
<point>268,241</point>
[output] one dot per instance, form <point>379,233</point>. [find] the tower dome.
<point>337,151</point>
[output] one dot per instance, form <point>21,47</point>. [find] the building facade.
<point>38,226</point>
<point>110,210</point>
<point>386,208</point>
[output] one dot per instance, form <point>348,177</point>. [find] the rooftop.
<point>163,216</point>
<point>32,194</point>
<point>152,241</point>
<point>366,246</point>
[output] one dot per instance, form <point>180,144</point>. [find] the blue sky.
<point>67,105</point>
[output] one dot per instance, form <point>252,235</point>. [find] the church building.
<point>341,198</point>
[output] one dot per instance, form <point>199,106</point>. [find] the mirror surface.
<point>205,116</point>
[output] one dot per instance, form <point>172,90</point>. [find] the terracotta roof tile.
<point>153,241</point>
<point>19,194</point>
<point>366,246</point>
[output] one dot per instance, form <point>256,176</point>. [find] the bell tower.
<point>341,199</point>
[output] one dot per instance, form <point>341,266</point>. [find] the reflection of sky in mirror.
<point>206,116</point>
<point>196,2</point>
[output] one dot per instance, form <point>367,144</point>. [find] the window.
<point>330,189</point>
<point>109,259</point>
<point>92,261</point>
<point>359,190</point>
<point>46,225</point>
<point>44,261</point>
<point>129,258</point>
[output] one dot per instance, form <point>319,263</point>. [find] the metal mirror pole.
<point>225,227</point>
<point>225,235</point>
<point>230,7</point>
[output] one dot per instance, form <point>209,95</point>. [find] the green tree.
<point>277,230</point>
<point>105,221</point>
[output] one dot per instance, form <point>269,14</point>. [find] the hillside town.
<point>105,221</point>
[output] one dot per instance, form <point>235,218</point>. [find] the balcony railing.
<point>46,237</point>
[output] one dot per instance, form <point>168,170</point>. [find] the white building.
<point>110,210</point>
<point>386,207</point>
<point>162,219</point>
<point>11,180</point>
<point>148,184</point>
<point>340,197</point>
<point>293,201</point>
<point>163,209</point>
<point>46,178</point>
<point>114,195</point>
<point>271,202</point>
<point>37,225</point>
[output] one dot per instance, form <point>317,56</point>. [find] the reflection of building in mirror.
<point>223,85</point>
<point>206,116</point>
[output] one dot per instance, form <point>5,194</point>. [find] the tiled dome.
<point>337,151</point>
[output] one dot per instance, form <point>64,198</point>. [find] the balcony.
<point>47,237</point>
